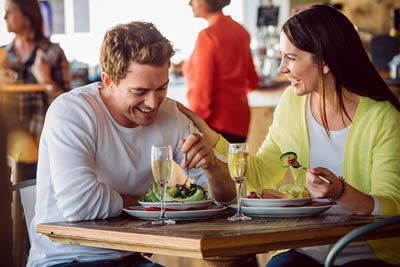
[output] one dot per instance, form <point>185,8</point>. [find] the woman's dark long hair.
<point>333,40</point>
<point>31,10</point>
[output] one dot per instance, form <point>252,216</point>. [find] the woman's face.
<point>299,67</point>
<point>16,22</point>
<point>199,7</point>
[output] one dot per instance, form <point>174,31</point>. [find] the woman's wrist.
<point>339,193</point>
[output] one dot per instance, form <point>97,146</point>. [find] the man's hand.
<point>199,153</point>
<point>129,201</point>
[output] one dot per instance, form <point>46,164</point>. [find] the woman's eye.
<point>290,58</point>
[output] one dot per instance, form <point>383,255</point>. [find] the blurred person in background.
<point>220,72</point>
<point>36,61</point>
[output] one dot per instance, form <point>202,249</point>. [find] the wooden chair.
<point>27,191</point>
<point>20,175</point>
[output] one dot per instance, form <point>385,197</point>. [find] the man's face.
<point>136,99</point>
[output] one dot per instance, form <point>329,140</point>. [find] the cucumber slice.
<point>152,197</point>
<point>197,196</point>
<point>287,157</point>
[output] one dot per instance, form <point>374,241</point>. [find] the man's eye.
<point>290,58</point>
<point>139,92</point>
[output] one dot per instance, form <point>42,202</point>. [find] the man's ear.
<point>325,69</point>
<point>106,79</point>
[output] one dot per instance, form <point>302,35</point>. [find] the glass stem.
<point>239,198</point>
<point>162,194</point>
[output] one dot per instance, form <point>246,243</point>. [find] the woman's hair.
<point>333,40</point>
<point>138,42</point>
<point>216,5</point>
<point>30,9</point>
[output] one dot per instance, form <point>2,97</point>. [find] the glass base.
<point>239,217</point>
<point>163,222</point>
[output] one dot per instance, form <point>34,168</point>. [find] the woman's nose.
<point>282,68</point>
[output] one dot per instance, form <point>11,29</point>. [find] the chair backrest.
<point>342,243</point>
<point>27,190</point>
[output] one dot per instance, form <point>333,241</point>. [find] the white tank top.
<point>328,153</point>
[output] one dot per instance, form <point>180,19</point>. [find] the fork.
<point>295,164</point>
<point>187,169</point>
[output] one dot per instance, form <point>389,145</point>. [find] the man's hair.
<point>138,42</point>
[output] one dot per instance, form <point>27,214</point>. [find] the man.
<point>94,155</point>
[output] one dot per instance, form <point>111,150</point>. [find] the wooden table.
<point>217,241</point>
<point>22,88</point>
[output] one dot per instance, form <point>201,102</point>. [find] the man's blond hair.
<point>138,42</point>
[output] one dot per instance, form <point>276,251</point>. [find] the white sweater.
<point>86,160</point>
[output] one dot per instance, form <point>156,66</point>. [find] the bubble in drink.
<point>237,164</point>
<point>161,170</point>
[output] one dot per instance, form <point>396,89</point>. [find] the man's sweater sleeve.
<point>70,134</point>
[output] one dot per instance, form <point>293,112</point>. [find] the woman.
<point>220,71</point>
<point>36,60</point>
<point>340,118</point>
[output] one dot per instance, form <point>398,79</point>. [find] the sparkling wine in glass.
<point>238,161</point>
<point>161,166</point>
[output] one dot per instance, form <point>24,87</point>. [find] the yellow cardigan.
<point>371,160</point>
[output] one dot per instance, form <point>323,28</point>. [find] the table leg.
<point>242,261</point>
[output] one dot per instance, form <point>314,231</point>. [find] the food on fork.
<point>288,158</point>
<point>178,193</point>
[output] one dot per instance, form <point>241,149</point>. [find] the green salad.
<point>177,193</point>
<point>296,191</point>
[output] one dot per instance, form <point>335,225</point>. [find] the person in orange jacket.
<point>220,72</point>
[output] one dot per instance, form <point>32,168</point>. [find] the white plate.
<point>139,212</point>
<point>283,212</point>
<point>203,204</point>
<point>271,202</point>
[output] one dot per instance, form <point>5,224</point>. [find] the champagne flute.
<point>238,160</point>
<point>161,166</point>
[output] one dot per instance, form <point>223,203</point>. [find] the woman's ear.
<point>325,69</point>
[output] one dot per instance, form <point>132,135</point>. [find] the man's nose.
<point>151,100</point>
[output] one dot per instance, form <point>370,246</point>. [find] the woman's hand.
<point>41,69</point>
<point>319,188</point>
<point>199,153</point>
<point>209,134</point>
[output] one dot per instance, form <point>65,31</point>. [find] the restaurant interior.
<point>78,26</point>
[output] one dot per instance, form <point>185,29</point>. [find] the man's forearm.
<point>221,186</point>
